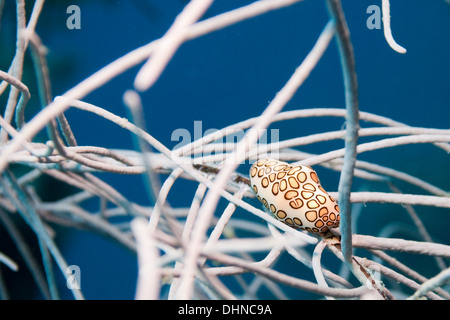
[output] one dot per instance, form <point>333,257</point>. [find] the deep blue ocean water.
<point>232,75</point>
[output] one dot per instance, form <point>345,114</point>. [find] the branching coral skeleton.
<point>191,251</point>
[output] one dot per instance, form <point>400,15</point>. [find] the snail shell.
<point>294,195</point>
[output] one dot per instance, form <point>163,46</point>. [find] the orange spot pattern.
<point>294,195</point>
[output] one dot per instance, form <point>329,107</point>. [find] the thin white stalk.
<point>317,267</point>
<point>133,101</point>
<point>170,43</point>
<point>161,199</point>
<point>416,247</point>
<point>412,199</point>
<point>385,9</point>
<point>223,220</point>
<point>7,261</point>
<point>442,278</point>
<point>148,284</point>
<point>381,144</point>
<point>193,211</point>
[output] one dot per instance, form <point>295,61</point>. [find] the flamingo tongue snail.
<point>293,194</point>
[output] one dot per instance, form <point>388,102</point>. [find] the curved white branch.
<point>385,9</point>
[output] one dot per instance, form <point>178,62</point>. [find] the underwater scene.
<point>224,150</point>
